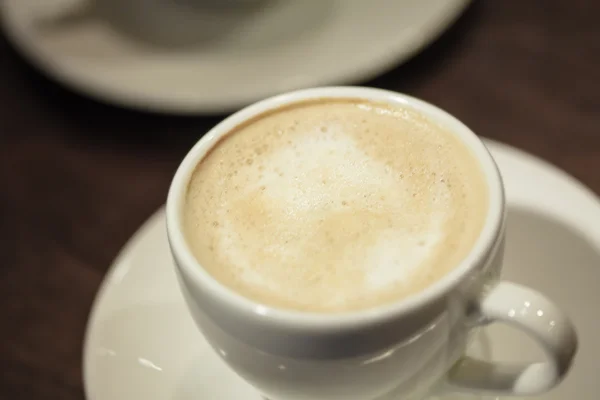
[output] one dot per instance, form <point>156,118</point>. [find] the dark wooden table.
<point>77,178</point>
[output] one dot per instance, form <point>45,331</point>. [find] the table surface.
<point>79,177</point>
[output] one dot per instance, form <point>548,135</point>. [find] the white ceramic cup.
<point>177,23</point>
<point>403,350</point>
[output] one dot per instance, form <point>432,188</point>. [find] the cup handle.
<point>538,317</point>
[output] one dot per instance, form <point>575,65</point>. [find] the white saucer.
<point>142,345</point>
<point>295,44</point>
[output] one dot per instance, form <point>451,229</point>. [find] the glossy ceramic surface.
<point>142,344</point>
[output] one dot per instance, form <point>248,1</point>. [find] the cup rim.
<point>316,321</point>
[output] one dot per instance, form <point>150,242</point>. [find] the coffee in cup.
<point>334,205</point>
<point>343,243</point>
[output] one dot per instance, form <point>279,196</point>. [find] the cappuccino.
<point>334,205</point>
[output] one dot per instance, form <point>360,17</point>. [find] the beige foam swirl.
<point>334,205</point>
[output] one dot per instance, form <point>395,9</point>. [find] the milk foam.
<point>335,205</point>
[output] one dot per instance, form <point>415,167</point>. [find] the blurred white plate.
<point>292,44</point>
